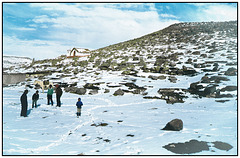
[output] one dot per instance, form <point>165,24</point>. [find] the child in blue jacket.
<point>79,105</point>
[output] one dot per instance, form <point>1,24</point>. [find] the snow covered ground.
<point>128,124</point>
<point>114,125</point>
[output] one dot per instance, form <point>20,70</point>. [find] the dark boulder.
<point>81,91</point>
<point>197,65</point>
<point>224,96</point>
<point>106,91</point>
<point>136,91</point>
<point>162,77</point>
<point>231,72</point>
<point>90,86</point>
<point>118,92</point>
<point>37,86</point>
<point>135,58</point>
<point>99,124</point>
<point>70,89</point>
<point>134,86</point>
<point>189,61</point>
<point>174,125</point>
<point>29,86</point>
<point>150,97</point>
<point>209,90</point>
<point>172,95</point>
<point>215,69</point>
<point>195,86</point>
<point>73,84</point>
<point>215,64</point>
<point>205,79</point>
<point>196,53</point>
<point>172,79</point>
<point>229,88</point>
<point>105,66</point>
<point>218,79</point>
<point>203,55</point>
<point>94,91</point>
<point>130,72</point>
<point>153,77</point>
<point>159,61</point>
<point>188,71</point>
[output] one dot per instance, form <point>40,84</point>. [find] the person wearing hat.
<point>58,95</point>
<point>35,98</point>
<point>79,105</point>
<point>24,103</point>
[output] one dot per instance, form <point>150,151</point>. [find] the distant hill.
<point>196,41</point>
<point>181,33</point>
<point>166,51</point>
<point>15,61</point>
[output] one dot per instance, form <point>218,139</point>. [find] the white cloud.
<point>168,16</point>
<point>215,12</point>
<point>38,49</point>
<point>84,25</point>
<point>221,12</point>
<point>43,19</point>
<point>23,28</point>
<point>98,25</point>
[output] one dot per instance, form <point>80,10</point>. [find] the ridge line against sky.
<point>48,30</point>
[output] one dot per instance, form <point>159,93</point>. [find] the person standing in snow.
<point>79,105</point>
<point>58,95</point>
<point>49,95</point>
<point>24,103</point>
<point>35,98</point>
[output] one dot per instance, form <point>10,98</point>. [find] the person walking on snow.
<point>35,98</point>
<point>79,105</point>
<point>58,95</point>
<point>24,103</point>
<point>49,95</point>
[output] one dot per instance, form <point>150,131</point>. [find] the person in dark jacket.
<point>35,98</point>
<point>79,105</point>
<point>24,103</point>
<point>58,95</point>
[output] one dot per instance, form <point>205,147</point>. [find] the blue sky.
<point>47,30</point>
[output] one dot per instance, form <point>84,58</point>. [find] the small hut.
<point>78,52</point>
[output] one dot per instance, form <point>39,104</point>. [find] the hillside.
<point>9,62</point>
<point>130,90</point>
<point>185,49</point>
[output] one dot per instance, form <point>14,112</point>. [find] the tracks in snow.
<point>91,119</point>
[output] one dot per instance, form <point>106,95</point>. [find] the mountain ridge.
<point>185,24</point>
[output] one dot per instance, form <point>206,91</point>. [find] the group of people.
<point>35,97</point>
<point>58,95</point>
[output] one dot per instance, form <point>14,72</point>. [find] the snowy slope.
<point>14,64</point>
<point>9,61</point>
<point>133,125</point>
<point>130,124</point>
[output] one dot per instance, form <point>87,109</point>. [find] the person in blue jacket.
<point>79,105</point>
